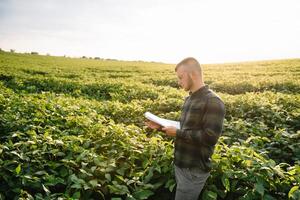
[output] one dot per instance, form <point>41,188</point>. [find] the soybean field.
<point>73,128</point>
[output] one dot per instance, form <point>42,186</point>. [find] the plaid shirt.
<point>201,124</point>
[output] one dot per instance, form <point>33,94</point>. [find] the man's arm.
<point>212,125</point>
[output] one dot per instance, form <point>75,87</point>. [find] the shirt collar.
<point>199,91</point>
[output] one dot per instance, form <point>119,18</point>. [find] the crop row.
<point>55,148</point>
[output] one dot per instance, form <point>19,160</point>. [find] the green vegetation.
<point>73,129</point>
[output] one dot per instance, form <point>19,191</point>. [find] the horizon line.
<point>149,61</point>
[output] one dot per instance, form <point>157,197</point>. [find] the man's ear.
<point>193,75</point>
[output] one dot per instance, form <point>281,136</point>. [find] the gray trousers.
<point>190,182</point>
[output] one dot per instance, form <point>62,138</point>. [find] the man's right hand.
<point>153,125</point>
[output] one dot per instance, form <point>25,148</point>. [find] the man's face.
<point>184,79</point>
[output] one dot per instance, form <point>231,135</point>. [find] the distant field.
<point>73,129</point>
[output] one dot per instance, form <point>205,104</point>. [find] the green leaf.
<point>76,195</point>
<point>121,171</point>
<point>226,183</point>
<point>292,190</point>
<point>76,186</point>
<point>85,172</point>
<point>158,169</point>
<point>52,180</point>
<point>212,195</point>
<point>259,188</point>
<point>40,173</point>
<point>61,154</point>
<point>93,183</point>
<point>268,197</point>
<point>45,189</point>
<point>108,177</point>
<point>93,168</point>
<point>143,194</point>
<point>18,169</point>
<point>149,175</point>
<point>170,184</point>
<point>63,172</point>
<point>118,189</point>
<point>16,190</point>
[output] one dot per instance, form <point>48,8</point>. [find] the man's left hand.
<point>170,131</point>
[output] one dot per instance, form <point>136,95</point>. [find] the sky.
<point>213,31</point>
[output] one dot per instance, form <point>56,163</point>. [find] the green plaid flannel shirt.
<point>201,124</point>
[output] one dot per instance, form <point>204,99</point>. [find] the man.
<point>201,124</point>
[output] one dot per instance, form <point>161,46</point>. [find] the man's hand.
<point>170,131</point>
<point>153,125</point>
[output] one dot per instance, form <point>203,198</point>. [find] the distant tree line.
<point>83,57</point>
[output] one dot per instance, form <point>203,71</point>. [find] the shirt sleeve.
<point>212,125</point>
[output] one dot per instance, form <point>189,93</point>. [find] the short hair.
<point>191,64</point>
